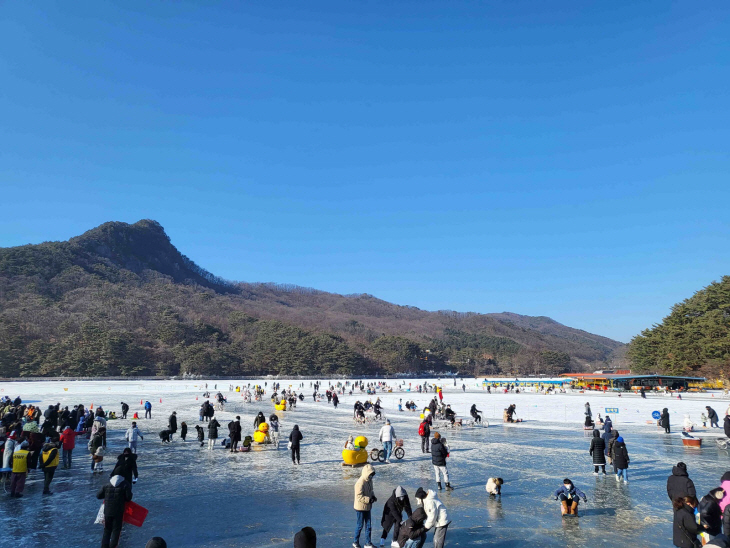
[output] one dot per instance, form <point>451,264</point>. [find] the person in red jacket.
<point>68,439</point>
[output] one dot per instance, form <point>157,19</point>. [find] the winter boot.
<point>448,486</point>
<point>439,484</point>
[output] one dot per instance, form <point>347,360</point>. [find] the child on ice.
<point>569,496</point>
<point>494,486</point>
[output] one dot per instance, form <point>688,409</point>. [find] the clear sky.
<point>564,159</point>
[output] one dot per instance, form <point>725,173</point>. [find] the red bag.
<point>421,430</point>
<point>134,514</point>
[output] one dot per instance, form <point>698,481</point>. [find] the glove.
<point>134,480</point>
<point>373,500</point>
<point>585,499</point>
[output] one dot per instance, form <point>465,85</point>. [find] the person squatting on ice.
<point>436,516</point>
<point>393,514</point>
<point>569,496</point>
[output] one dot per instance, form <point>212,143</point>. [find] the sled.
<point>692,442</point>
<point>134,514</point>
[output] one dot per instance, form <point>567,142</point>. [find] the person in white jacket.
<point>387,435</point>
<point>437,518</point>
<point>131,436</point>
<point>494,486</point>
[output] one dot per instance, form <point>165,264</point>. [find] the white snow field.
<point>200,498</point>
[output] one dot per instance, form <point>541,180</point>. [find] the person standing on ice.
<point>131,436</point>
<point>387,435</point>
<point>598,451</point>
<point>213,426</point>
<point>294,438</point>
<point>364,500</point>
<point>664,420</point>
<point>589,413</point>
<point>437,518</point>
<point>274,429</point>
<point>712,415</point>
<point>235,433</point>
<point>115,495</point>
<point>147,410</point>
<point>172,425</point>
<point>439,452</point>
<point>335,399</point>
<point>201,434</point>
<point>125,410</point>
<point>678,484</point>
<point>424,430</point>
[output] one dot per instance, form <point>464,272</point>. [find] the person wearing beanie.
<point>436,516</point>
<point>115,495</point>
<point>306,538</point>
<point>20,470</point>
<point>393,514</point>
<point>49,463</point>
<point>439,452</point>
<point>387,435</point>
<point>664,420</point>
<point>156,542</point>
<point>620,459</point>
<point>679,485</point>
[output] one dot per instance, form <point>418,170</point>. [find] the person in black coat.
<point>294,438</point>
<point>712,416</point>
<point>213,426</point>
<point>125,410</point>
<point>678,484</point>
<point>598,451</point>
<point>115,494</point>
<point>439,452</point>
<point>620,459</point>
<point>306,538</point>
<point>413,528</point>
<point>685,525</point>
<point>710,513</point>
<point>393,513</point>
<point>258,420</point>
<point>720,540</point>
<point>726,425</point>
<point>172,427</point>
<point>236,430</point>
<point>664,420</point>
<point>425,446</point>
<point>126,467</point>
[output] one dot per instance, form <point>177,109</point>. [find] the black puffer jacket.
<point>438,452</point>
<point>393,509</point>
<point>173,423</point>
<point>685,528</point>
<point>710,513</point>
<point>726,425</point>
<point>611,442</point>
<point>213,429</point>
<point>664,419</point>
<point>413,527</point>
<point>115,494</point>
<point>598,448</point>
<point>126,467</point>
<point>295,437</point>
<point>679,484</point>
<point>620,455</point>
<point>306,538</point>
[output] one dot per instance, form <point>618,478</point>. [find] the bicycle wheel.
<point>399,453</point>
<point>381,455</point>
<point>374,455</point>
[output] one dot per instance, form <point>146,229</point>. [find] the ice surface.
<point>202,499</point>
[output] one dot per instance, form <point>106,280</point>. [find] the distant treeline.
<point>693,340</point>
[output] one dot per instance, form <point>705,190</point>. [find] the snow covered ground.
<point>215,499</point>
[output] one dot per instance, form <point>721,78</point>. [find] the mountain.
<point>693,340</point>
<point>121,300</point>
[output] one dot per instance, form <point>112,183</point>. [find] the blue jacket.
<point>572,493</point>
<point>607,426</point>
<point>147,405</point>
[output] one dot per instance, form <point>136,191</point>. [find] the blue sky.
<point>566,160</point>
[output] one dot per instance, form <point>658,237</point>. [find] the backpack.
<point>422,429</point>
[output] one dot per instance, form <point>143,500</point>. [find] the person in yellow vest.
<point>49,462</point>
<point>20,470</point>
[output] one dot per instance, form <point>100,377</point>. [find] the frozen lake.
<point>198,498</point>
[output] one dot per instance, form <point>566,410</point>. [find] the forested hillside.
<point>693,340</point>
<point>122,300</point>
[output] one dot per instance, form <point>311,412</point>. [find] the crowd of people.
<point>34,440</point>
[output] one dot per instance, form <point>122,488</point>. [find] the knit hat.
<point>620,439</point>
<point>420,493</point>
